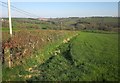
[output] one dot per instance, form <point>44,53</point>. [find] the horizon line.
<point>62,17</point>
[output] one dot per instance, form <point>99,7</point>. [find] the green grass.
<point>99,31</point>
<point>7,29</point>
<point>99,52</point>
<point>87,57</point>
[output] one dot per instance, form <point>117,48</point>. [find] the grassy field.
<point>75,56</point>
<point>86,57</point>
<point>61,49</point>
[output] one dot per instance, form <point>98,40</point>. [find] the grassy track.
<point>87,57</point>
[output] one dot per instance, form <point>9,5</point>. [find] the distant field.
<point>71,23</point>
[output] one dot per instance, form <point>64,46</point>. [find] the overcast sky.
<point>64,9</point>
